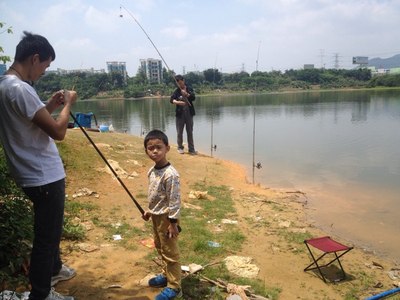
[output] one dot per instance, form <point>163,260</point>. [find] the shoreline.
<point>331,227</point>
<point>231,93</point>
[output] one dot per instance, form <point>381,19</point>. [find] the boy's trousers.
<point>168,249</point>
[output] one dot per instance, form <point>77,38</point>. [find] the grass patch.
<point>199,229</point>
<point>73,212</point>
<point>295,237</point>
<point>129,234</point>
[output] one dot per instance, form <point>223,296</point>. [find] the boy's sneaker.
<point>169,293</point>
<point>65,273</point>
<point>180,151</point>
<point>158,281</point>
<point>53,295</point>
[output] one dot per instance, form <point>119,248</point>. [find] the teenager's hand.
<point>55,101</point>
<point>70,97</point>
<point>146,216</point>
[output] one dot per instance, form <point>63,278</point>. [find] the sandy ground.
<point>113,272</point>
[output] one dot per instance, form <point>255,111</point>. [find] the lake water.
<point>340,148</point>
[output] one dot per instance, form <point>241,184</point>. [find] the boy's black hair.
<point>32,44</point>
<point>156,134</point>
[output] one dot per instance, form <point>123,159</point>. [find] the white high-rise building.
<point>153,70</point>
<point>118,67</point>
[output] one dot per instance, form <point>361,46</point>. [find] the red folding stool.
<point>327,246</point>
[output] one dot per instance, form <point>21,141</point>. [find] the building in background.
<point>153,70</point>
<point>117,67</point>
<point>3,69</point>
<point>60,71</point>
<point>308,66</point>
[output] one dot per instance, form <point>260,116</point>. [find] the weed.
<point>73,230</point>
<point>294,237</point>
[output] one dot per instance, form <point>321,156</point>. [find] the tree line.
<point>211,80</point>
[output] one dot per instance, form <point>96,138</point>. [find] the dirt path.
<point>268,218</point>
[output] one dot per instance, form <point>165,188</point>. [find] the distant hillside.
<point>385,63</point>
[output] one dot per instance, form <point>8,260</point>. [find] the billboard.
<point>360,60</point>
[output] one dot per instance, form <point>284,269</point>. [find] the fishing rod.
<point>213,147</point>
<point>258,165</point>
<point>108,164</point>
<point>155,47</point>
<point>147,35</point>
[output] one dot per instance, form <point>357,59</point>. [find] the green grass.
<point>73,211</point>
<point>198,230</point>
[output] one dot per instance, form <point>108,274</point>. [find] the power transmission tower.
<point>322,55</point>
<point>336,61</point>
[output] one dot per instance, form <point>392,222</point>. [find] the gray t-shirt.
<point>32,156</point>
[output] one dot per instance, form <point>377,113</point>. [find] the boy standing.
<point>164,210</point>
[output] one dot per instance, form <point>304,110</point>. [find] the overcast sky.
<point>194,35</point>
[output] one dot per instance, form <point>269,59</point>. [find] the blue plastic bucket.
<point>104,128</point>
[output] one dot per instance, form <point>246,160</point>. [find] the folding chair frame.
<point>310,267</point>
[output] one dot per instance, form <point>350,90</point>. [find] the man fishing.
<point>27,133</point>
<point>183,98</point>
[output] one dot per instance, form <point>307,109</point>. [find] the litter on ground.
<point>227,221</point>
<point>149,243</point>
<point>198,195</point>
<point>241,266</point>
<point>213,244</point>
<point>117,237</point>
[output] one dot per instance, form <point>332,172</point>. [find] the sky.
<point>195,35</point>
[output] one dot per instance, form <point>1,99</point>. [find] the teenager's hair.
<point>179,77</point>
<point>32,44</point>
<point>156,134</point>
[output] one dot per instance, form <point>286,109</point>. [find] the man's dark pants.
<point>185,119</point>
<point>48,204</point>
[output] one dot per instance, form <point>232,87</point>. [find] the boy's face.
<point>157,151</point>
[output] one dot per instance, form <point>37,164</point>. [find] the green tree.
<point>194,78</point>
<point>4,58</point>
<point>140,77</point>
<point>168,77</point>
<point>213,76</point>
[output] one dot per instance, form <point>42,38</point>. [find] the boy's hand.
<point>146,216</point>
<point>173,230</point>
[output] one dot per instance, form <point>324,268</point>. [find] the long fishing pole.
<point>254,118</point>
<point>213,147</point>
<point>108,164</point>
<point>155,47</point>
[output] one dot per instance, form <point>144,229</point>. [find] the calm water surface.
<point>341,148</point>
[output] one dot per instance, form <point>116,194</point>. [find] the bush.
<point>16,227</point>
